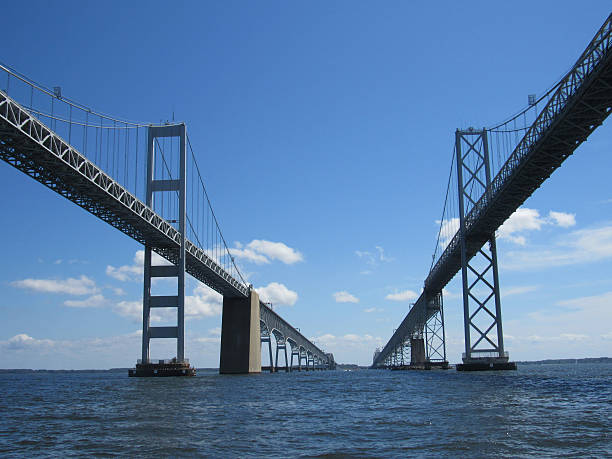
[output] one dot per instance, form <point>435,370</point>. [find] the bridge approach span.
<point>581,102</point>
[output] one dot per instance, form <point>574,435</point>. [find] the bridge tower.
<point>481,299</point>
<point>433,332</point>
<point>177,366</point>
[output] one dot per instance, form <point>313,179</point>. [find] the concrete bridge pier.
<point>281,343</point>
<point>417,351</point>
<point>240,335</point>
<point>294,351</point>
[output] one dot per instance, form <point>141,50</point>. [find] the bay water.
<point>551,410</point>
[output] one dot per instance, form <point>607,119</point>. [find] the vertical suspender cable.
<point>70,127</point>
<point>85,131</point>
<point>136,169</point>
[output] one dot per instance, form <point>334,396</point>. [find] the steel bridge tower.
<point>481,298</point>
<point>178,365</point>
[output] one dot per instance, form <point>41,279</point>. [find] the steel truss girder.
<point>30,146</point>
<point>421,312</point>
<point>581,103</point>
<point>584,98</point>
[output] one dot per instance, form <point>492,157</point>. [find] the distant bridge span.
<point>581,102</point>
<point>34,148</point>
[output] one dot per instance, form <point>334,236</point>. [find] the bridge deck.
<point>581,103</point>
<point>30,146</point>
<point>579,106</point>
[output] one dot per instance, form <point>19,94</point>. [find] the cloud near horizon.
<point>578,247</point>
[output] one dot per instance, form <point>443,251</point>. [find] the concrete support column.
<point>417,351</point>
<point>240,335</point>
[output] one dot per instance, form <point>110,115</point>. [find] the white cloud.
<point>448,294</point>
<point>562,219</point>
<point>136,269</point>
<point>582,246</point>
<point>405,295</point>
<point>345,297</point>
<point>93,301</point>
<point>71,286</point>
<point>571,328</point>
<point>130,309</point>
<point>518,290</point>
<point>204,302</point>
<point>260,251</point>
<point>373,258</point>
<point>594,302</point>
<point>525,219</point>
<point>26,351</point>
<point>277,294</point>
<point>368,310</point>
<point>24,341</point>
<point>208,339</point>
<point>381,254</point>
<point>249,255</point>
<point>448,229</point>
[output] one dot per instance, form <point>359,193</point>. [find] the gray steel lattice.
<point>481,299</point>
<point>576,109</point>
<point>581,103</point>
<point>30,146</point>
<point>33,148</point>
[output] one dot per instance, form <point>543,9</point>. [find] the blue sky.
<point>327,127</point>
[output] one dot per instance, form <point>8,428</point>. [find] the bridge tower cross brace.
<point>480,275</point>
<point>433,331</point>
<point>177,270</point>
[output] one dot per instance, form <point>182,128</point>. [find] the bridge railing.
<point>596,52</point>
<point>118,148</point>
<point>100,181</point>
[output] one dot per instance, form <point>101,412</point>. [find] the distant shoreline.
<point>339,366</point>
<point>585,360</point>
<point>351,366</point>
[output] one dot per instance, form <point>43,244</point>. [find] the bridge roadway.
<point>581,103</point>
<point>30,146</point>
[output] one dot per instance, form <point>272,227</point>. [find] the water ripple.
<point>545,410</point>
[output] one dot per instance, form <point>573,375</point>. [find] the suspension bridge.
<point>143,179</point>
<point>494,170</point>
